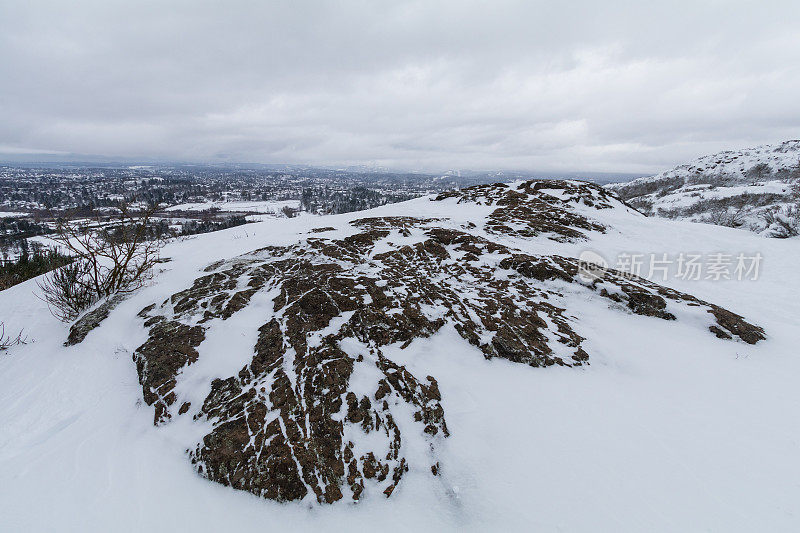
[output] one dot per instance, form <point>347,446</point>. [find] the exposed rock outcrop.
<point>320,410</point>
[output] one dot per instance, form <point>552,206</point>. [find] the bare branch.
<point>6,341</point>
<point>109,258</point>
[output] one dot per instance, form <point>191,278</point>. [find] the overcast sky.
<point>598,86</point>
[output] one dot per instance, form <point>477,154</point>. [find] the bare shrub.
<point>759,172</point>
<point>795,192</point>
<point>643,205</point>
<point>111,257</point>
<point>628,191</point>
<point>782,222</point>
<point>68,290</point>
<point>725,217</point>
<point>6,341</point>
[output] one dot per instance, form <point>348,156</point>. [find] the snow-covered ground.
<point>668,428</point>
<point>747,188</point>
<point>735,163</point>
<point>264,207</point>
<point>12,214</point>
<point>691,194</point>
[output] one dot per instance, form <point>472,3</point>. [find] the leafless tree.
<point>111,257</point>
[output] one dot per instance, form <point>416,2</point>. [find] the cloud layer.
<point>629,87</point>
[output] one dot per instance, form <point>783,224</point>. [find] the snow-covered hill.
<point>756,189</point>
<point>447,363</point>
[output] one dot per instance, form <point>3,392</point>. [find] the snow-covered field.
<point>668,428</point>
<point>12,214</point>
<point>264,207</point>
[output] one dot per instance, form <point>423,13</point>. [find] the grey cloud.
<point>622,86</point>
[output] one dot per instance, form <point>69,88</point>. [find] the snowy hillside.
<point>446,363</point>
<point>756,189</point>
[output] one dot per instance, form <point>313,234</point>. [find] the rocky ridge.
<point>320,411</point>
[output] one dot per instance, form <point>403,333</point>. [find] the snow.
<point>691,194</point>
<point>265,207</point>
<point>733,162</point>
<point>686,191</point>
<point>668,428</point>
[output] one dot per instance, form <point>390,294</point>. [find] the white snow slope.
<point>697,190</point>
<point>667,429</point>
